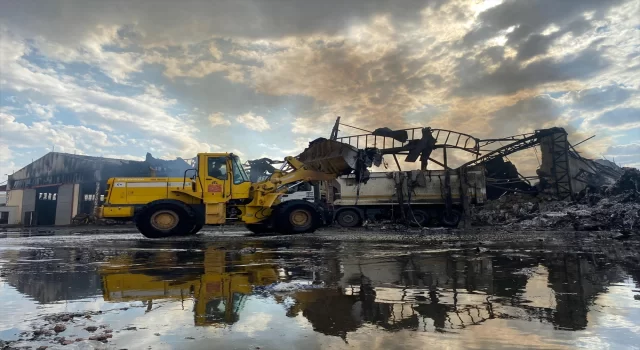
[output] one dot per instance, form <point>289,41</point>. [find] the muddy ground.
<point>109,288</point>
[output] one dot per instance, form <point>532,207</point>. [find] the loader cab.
<point>222,177</point>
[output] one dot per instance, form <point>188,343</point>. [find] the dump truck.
<point>421,193</point>
<point>218,190</point>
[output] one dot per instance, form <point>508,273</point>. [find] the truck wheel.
<point>348,218</point>
<point>164,220</point>
<point>450,220</point>
<point>296,216</point>
<point>259,228</point>
<point>420,217</point>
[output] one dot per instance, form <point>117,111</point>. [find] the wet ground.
<point>362,289</point>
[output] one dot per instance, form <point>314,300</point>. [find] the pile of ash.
<point>614,207</point>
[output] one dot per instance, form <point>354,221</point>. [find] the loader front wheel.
<point>196,228</point>
<point>297,216</point>
<point>164,220</point>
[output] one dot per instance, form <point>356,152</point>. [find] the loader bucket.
<point>333,157</point>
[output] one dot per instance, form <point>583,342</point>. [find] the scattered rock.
<point>39,332</point>
<point>91,329</point>
<point>79,339</point>
<point>101,337</point>
<point>67,342</point>
<point>108,330</point>
<point>43,347</point>
<point>190,338</point>
<point>130,329</point>
<point>59,328</point>
<point>157,334</point>
<point>636,297</point>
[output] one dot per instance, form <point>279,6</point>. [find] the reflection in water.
<point>442,290</point>
<point>338,288</point>
<point>218,280</point>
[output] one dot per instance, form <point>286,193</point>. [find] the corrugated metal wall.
<point>64,207</point>
<point>28,205</point>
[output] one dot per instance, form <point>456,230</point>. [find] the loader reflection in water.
<point>219,283</point>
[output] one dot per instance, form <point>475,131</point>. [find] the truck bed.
<point>429,188</point>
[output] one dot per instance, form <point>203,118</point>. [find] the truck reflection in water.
<point>345,288</point>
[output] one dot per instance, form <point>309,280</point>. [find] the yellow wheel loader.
<point>218,190</point>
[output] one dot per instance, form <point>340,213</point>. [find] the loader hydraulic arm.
<point>267,192</point>
<point>297,171</point>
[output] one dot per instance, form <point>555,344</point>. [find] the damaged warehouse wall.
<point>58,186</point>
<point>569,173</point>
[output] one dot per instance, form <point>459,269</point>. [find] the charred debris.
<point>568,191</point>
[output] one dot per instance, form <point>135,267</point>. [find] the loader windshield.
<point>239,175</point>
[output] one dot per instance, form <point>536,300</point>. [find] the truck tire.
<point>348,218</point>
<point>452,219</point>
<point>165,219</point>
<point>259,228</point>
<point>297,216</point>
<point>420,217</point>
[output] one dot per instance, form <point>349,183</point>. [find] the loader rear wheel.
<point>164,220</point>
<point>348,218</point>
<point>297,216</point>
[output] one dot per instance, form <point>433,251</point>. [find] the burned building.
<point>55,188</point>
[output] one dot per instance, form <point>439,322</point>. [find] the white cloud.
<point>42,111</point>
<point>65,138</point>
<point>253,122</point>
<point>91,50</point>
<point>183,64</point>
<point>313,126</point>
<point>217,119</point>
<point>146,112</point>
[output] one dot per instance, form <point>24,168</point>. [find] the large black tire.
<point>420,217</point>
<point>348,218</point>
<point>452,219</point>
<point>165,219</point>
<point>296,216</point>
<point>259,228</point>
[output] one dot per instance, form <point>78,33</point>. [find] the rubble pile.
<point>614,207</point>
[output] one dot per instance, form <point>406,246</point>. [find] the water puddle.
<point>308,295</point>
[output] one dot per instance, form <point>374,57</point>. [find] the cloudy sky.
<point>262,77</point>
